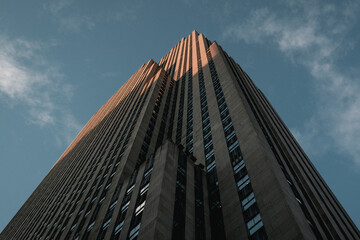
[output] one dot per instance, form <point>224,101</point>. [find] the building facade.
<point>187,148</point>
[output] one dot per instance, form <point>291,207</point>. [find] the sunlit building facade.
<point>187,148</point>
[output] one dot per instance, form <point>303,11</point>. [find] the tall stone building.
<point>188,148</point>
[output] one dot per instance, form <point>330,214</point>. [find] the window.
<point>140,208</point>
<point>72,228</point>
<point>239,166</point>
<point>248,201</point>
<point>217,228</point>
<point>112,206</point>
<point>106,224</point>
<point>87,213</point>
<point>125,206</point>
<point>118,228</point>
<point>130,189</point>
<point>243,182</point>
<point>91,225</point>
<point>210,166</point>
<point>144,189</point>
<point>256,227</point>
<point>134,232</point>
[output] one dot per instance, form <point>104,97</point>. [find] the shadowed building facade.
<point>187,148</point>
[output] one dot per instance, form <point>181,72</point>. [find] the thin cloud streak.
<point>125,13</point>
<point>313,35</point>
<point>65,20</point>
<point>70,16</point>
<point>28,82</point>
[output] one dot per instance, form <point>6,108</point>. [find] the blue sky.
<point>60,61</point>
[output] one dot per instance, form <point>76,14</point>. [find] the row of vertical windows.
<point>93,186</point>
<point>93,199</point>
<point>140,202</point>
<point>141,199</point>
<point>88,211</point>
<point>171,69</point>
<point>106,159</point>
<point>143,152</point>
<point>119,222</point>
<point>151,126</point>
<point>250,209</point>
<point>282,166</point>
<point>109,212</point>
<point>292,185</point>
<point>57,206</point>
<point>199,205</point>
<point>199,201</point>
<point>165,115</point>
<point>318,180</point>
<point>80,192</point>
<point>40,230</point>
<point>173,108</point>
<point>182,96</point>
<point>132,121</point>
<point>41,212</point>
<point>164,61</point>
<point>173,55</point>
<point>97,191</point>
<point>189,115</point>
<point>178,231</point>
<point>216,218</point>
<point>279,126</point>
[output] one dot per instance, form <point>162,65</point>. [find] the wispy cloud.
<point>65,18</point>
<point>29,82</point>
<point>125,13</point>
<point>110,74</point>
<point>70,15</point>
<point>55,7</point>
<point>315,35</point>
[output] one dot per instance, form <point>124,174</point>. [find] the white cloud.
<point>21,83</point>
<point>27,81</point>
<point>312,33</point>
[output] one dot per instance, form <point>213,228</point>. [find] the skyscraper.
<point>188,148</point>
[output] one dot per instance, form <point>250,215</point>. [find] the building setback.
<point>187,148</point>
